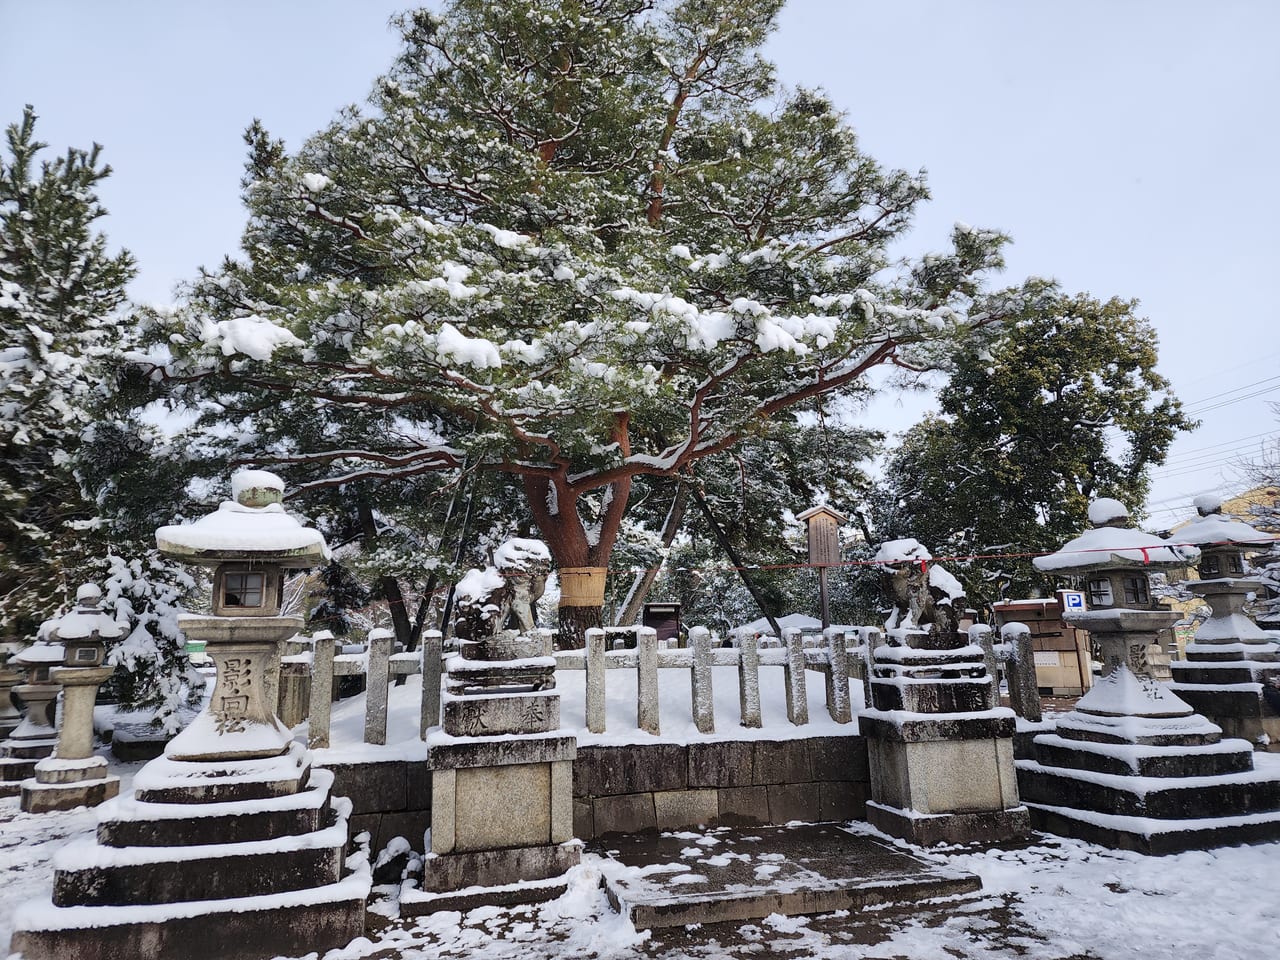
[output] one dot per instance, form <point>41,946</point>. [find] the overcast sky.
<point>1129,147</point>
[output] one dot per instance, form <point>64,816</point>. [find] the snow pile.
<point>255,337</point>
<point>894,552</point>
<point>520,553</point>
<point>1105,510</point>
<point>1212,529</point>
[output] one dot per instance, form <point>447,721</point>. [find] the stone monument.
<point>73,776</point>
<point>501,767</point>
<point>230,847</point>
<point>1231,659</point>
<point>35,736</point>
<point>1133,766</point>
<point>940,746</point>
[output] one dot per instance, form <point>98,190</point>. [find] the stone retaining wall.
<point>730,783</point>
<point>389,799</point>
<point>645,786</point>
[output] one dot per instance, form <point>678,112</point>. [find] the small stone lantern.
<point>73,776</point>
<point>249,541</point>
<point>36,735</point>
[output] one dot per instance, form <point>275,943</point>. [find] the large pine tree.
<point>572,242</point>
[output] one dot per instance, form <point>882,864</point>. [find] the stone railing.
<point>311,667</point>
<point>837,655</point>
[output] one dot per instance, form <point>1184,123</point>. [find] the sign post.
<point>824,548</point>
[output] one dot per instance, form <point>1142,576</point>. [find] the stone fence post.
<point>793,674</point>
<point>703,702</point>
<point>647,706</point>
<point>1024,691</point>
<point>749,680</point>
<point>431,665</point>
<point>596,667</point>
<point>377,674</point>
<point>321,706</point>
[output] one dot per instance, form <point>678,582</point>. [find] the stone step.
<point>248,928</point>
<point>672,879</point>
<point>1155,838</point>
<point>165,780</point>
<point>1241,701</point>
<point>1233,756</point>
<point>932,696</point>
<point>1232,672</point>
<point>1229,795</point>
<point>129,822</point>
<point>86,874</point>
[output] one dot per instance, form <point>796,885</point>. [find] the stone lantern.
<point>230,844</point>
<point>1133,766</point>
<point>73,776</point>
<point>249,542</point>
<point>35,736</point>
<point>1231,659</point>
<point>1115,561</point>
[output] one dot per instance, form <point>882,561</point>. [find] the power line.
<point>1224,443</point>
<point>1224,393</point>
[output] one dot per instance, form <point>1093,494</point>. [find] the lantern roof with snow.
<point>1212,529</point>
<point>87,621</point>
<point>1113,544</point>
<point>252,526</point>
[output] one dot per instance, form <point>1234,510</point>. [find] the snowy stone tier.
<point>931,681</point>
<point>247,859</point>
<point>1134,766</point>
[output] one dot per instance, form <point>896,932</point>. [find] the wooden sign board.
<point>824,536</point>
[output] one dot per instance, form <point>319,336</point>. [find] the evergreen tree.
<point>574,242</point>
<point>1066,408</point>
<point>61,324</point>
<point>343,593</point>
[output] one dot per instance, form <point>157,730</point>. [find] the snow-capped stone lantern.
<point>250,541</point>
<point>73,776</point>
<point>231,843</point>
<point>36,735</point>
<point>1231,659</point>
<point>1116,561</point>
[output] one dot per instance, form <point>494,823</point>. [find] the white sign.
<point>1072,600</point>
<point>1047,658</point>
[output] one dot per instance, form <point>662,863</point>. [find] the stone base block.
<point>255,928</point>
<point>30,749</point>
<point>927,829</point>
<point>1142,835</point>
<point>481,716</point>
<point>1228,756</point>
<point>449,753</point>
<point>929,696</point>
<point>166,780</point>
<point>943,776</point>
<point>443,873</point>
<point>88,875</point>
<point>1214,701</point>
<point>47,797</point>
<point>14,770</point>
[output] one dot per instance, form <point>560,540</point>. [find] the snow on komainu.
<point>503,596</point>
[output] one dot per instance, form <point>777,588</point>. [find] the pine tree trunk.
<point>644,580</point>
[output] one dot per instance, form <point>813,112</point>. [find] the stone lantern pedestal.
<point>73,776</point>
<point>1134,766</point>
<point>939,746</point>
<point>231,846</point>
